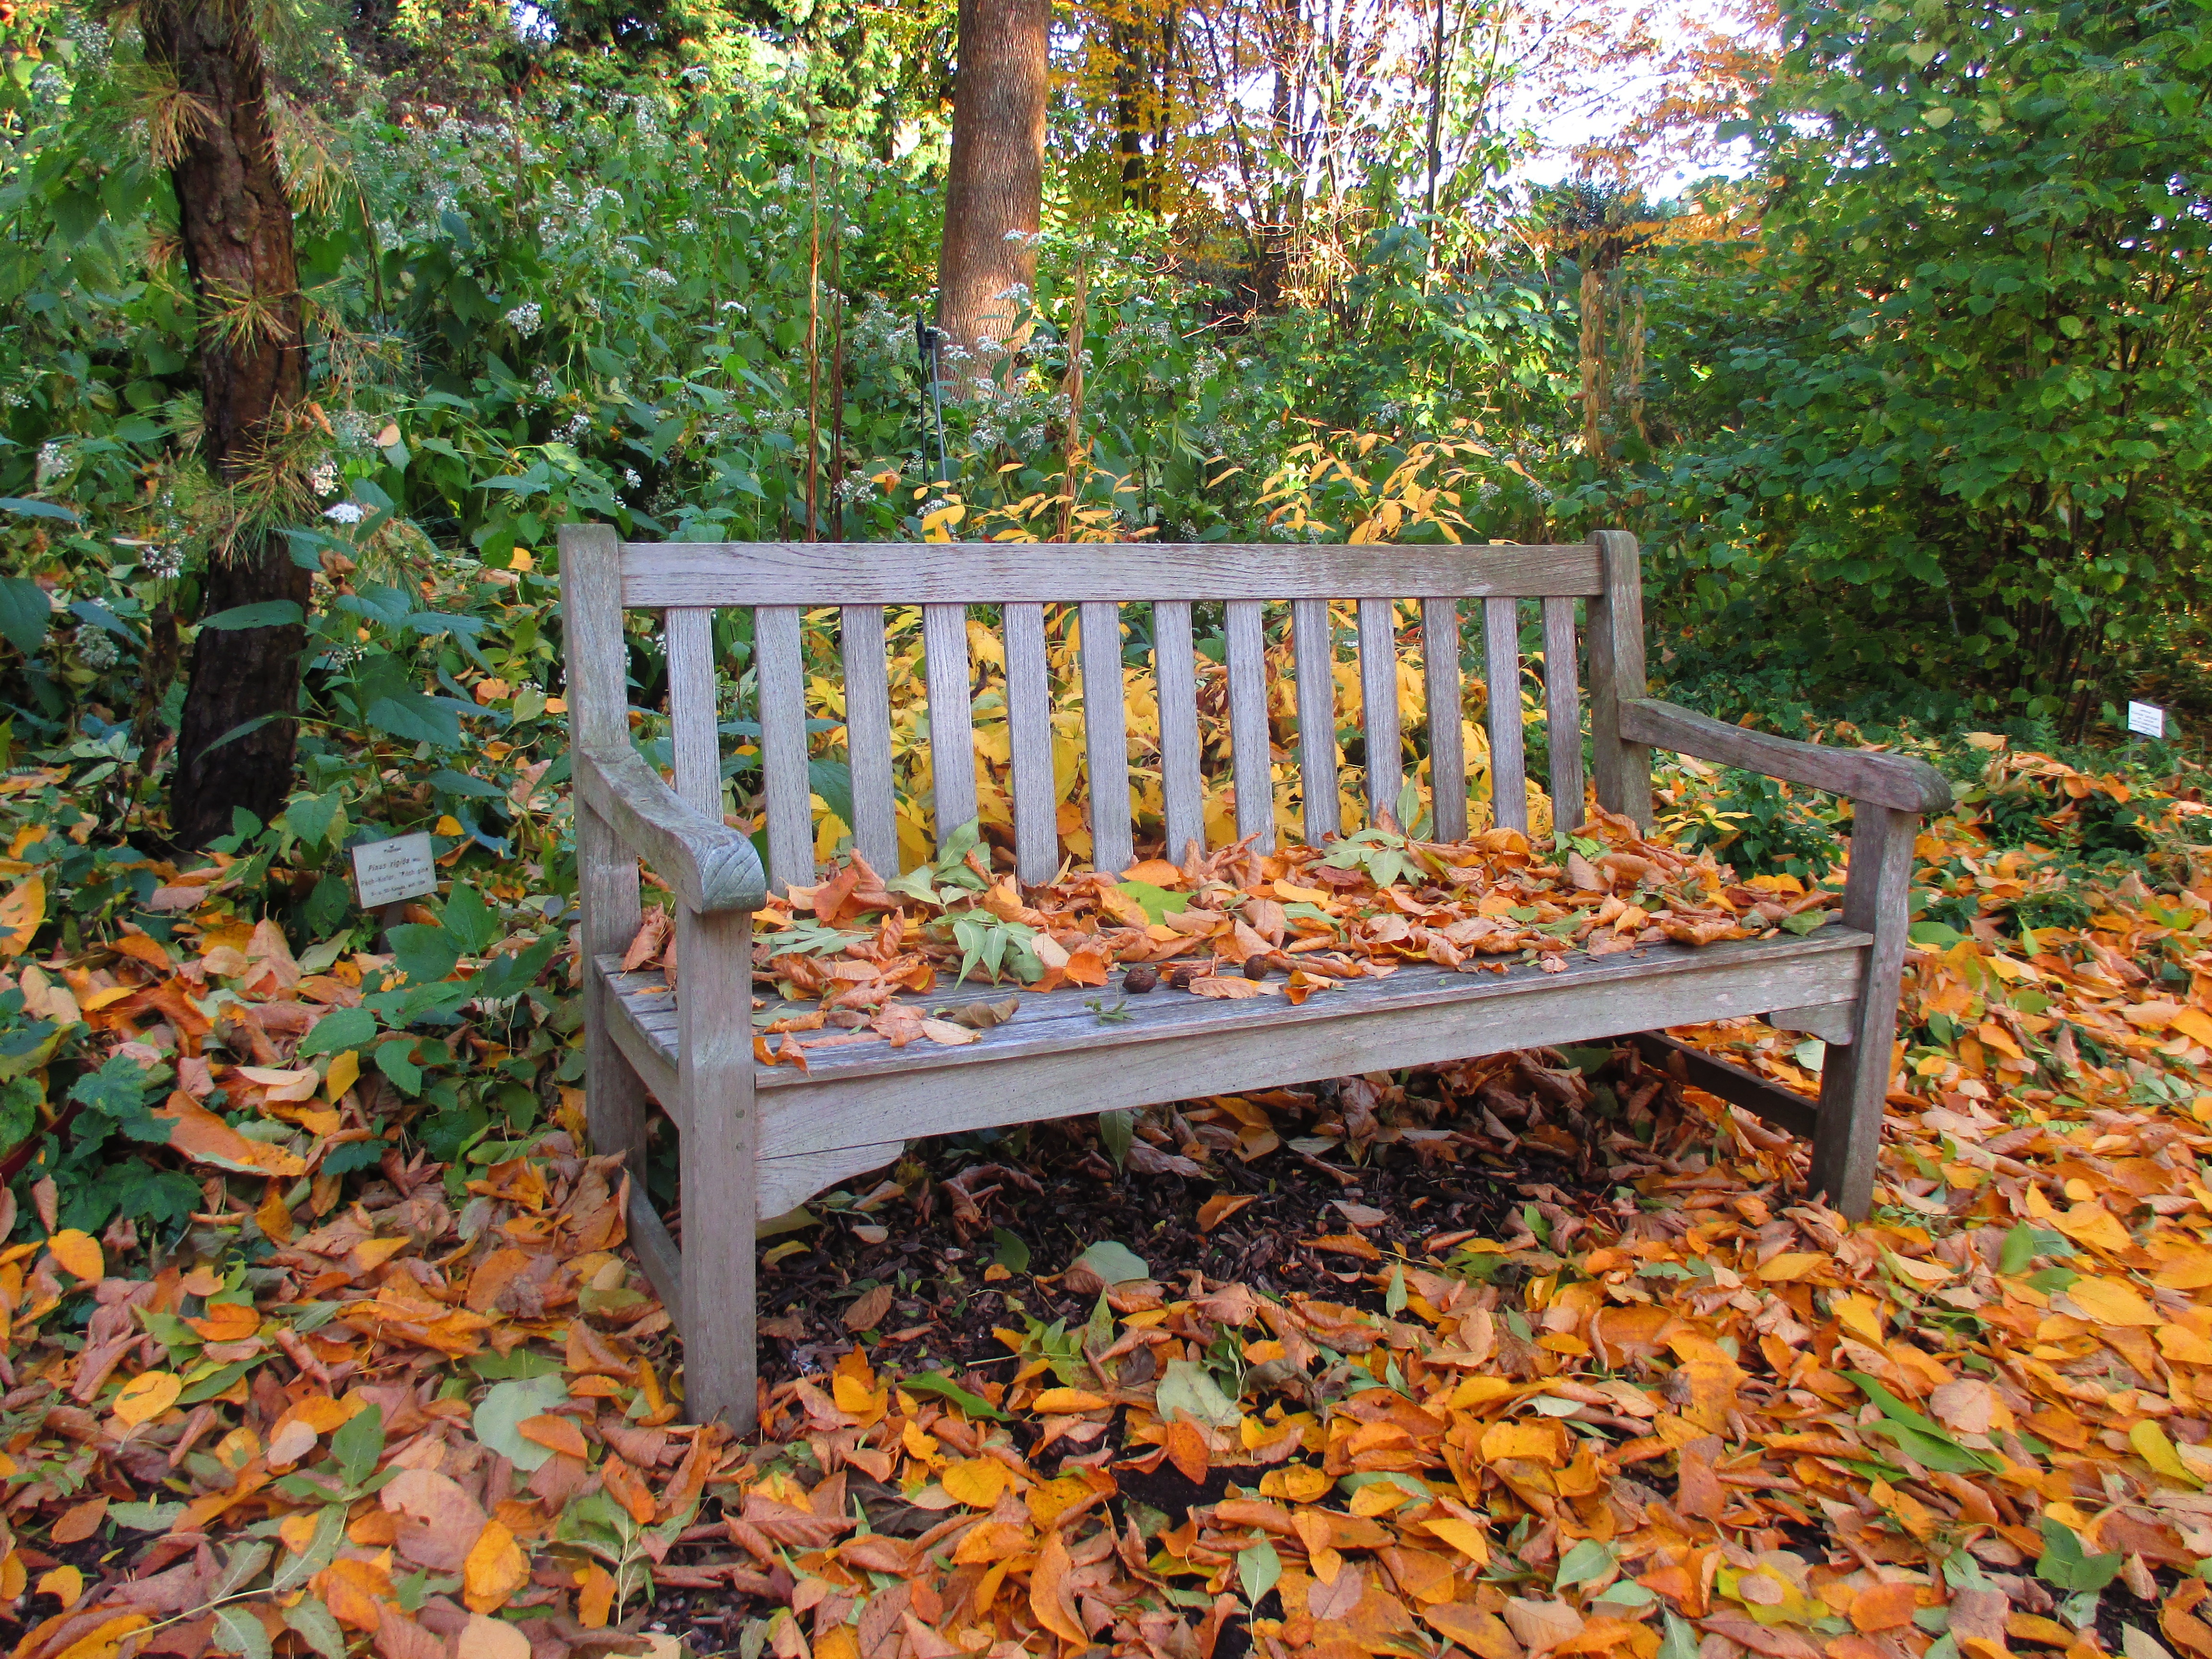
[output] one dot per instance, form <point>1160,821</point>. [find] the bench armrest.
<point>1897,781</point>
<point>711,866</point>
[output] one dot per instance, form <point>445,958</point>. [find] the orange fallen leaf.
<point>1218,1208</point>
<point>78,1252</point>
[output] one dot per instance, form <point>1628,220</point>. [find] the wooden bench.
<point>755,1141</point>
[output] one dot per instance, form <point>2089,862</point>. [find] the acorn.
<point>1179,979</point>
<point>1256,966</point>
<point>1140,978</point>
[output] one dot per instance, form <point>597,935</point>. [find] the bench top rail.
<point>656,575</point>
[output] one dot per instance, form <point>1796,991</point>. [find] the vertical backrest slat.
<point>951,717</point>
<point>1501,674</point>
<point>868,735</point>
<point>1378,706</point>
<point>1563,713</point>
<point>1029,735</point>
<point>1249,747</point>
<point>1447,742</point>
<point>691,708</point>
<point>1622,770</point>
<point>1312,662</point>
<point>1106,737</point>
<point>1175,675</point>
<point>781,672</point>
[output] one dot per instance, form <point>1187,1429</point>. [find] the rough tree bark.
<point>995,183</point>
<point>237,232</point>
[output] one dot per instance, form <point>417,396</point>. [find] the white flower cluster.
<point>345,512</point>
<point>630,478</point>
<point>655,276</point>
<point>163,564</point>
<point>95,647</point>
<point>575,429</point>
<point>53,461</point>
<point>323,478</point>
<point>687,226</point>
<point>526,318</point>
<point>353,428</point>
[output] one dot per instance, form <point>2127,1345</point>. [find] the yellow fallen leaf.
<point>1859,1315</point>
<point>2195,1025</point>
<point>2092,1224</point>
<point>20,913</point>
<point>2178,1342</point>
<point>79,1253</point>
<point>2187,1269</point>
<point>1060,1402</point>
<point>2154,1449</point>
<point>1789,1266</point>
<point>495,1569</point>
<point>146,1396</point>
<point>65,1583</point>
<point>345,1071</point>
<point>2108,1301</point>
<point>978,1482</point>
<point>1463,1536</point>
<point>1299,1483</point>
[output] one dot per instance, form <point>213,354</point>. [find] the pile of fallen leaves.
<point>1671,1408</point>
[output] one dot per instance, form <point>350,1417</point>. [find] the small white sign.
<point>387,872</point>
<point>2147,718</point>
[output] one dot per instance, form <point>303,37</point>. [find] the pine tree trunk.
<point>995,183</point>
<point>237,232</point>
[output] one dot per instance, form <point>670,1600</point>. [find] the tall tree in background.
<point>210,124</point>
<point>994,190</point>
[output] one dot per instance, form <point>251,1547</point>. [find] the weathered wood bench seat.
<point>755,1140</point>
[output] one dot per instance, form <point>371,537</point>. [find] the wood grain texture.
<point>1106,738</point>
<point>692,709</point>
<point>1251,751</point>
<point>1755,976</point>
<point>709,866</point>
<point>951,716</point>
<point>1897,781</point>
<point>596,672</point>
<point>788,1182</point>
<point>1669,985</point>
<point>868,735</point>
<point>1562,714</point>
<point>657,1253</point>
<point>1029,735</point>
<point>719,1166</point>
<point>1791,1113</point>
<point>1440,672</point>
<point>1313,661</point>
<point>1501,676</point>
<point>1378,707</point>
<point>1855,1079</point>
<point>1183,781</point>
<point>657,574</point>
<point>1620,767</point>
<point>781,670</point>
<point>1836,1022</point>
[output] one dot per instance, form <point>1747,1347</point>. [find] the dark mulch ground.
<point>1479,1148</point>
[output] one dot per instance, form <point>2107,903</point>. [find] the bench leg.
<point>1855,1076</point>
<point>614,1098</point>
<point>719,1174</point>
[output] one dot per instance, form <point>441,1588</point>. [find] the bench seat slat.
<point>1440,676</point>
<point>1029,735</point>
<point>1183,783</point>
<point>1168,1034</point>
<point>1313,661</point>
<point>782,678</point>
<point>951,717</point>
<point>1509,765</point>
<point>657,574</point>
<point>1251,749</point>
<point>1106,738</point>
<point>868,735</point>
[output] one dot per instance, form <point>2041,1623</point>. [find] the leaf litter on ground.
<point>1662,1407</point>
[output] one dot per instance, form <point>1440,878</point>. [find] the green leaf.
<point>322,1549</point>
<point>1259,1569</point>
<point>424,953</point>
<point>471,920</point>
<point>1116,1264</point>
<point>356,1445</point>
<point>25,611</point>
<point>28,508</point>
<point>238,1629</point>
<point>1155,901</point>
<point>1587,1562</point>
<point>937,1383</point>
<point>145,1517</point>
<point>500,1413</point>
<point>266,613</point>
<point>1394,1297</point>
<point>1190,1388</point>
<point>1680,1641</point>
<point>317,1627</point>
<point>1011,1253</point>
<point>1116,1129</point>
<point>2065,1566</point>
<point>339,1031</point>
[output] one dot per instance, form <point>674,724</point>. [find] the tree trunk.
<point>995,183</point>
<point>237,231</point>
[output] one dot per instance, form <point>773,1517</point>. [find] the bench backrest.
<point>781,582</point>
